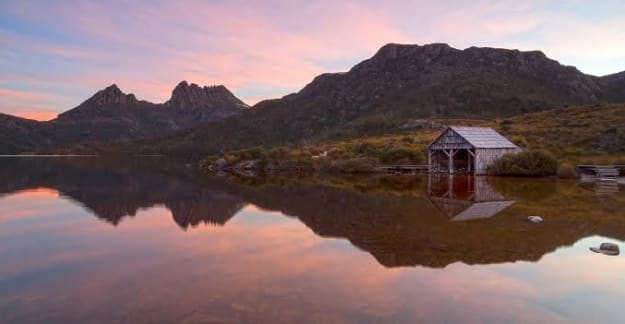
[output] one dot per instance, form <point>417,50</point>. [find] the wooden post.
<point>450,185</point>
<point>430,184</point>
<point>446,153</point>
<point>451,161</point>
<point>471,157</point>
<point>450,164</point>
<point>429,161</point>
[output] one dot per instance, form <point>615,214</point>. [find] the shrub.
<point>365,149</point>
<point>255,153</point>
<point>566,171</point>
<point>525,164</point>
<point>520,141</point>
<point>278,153</point>
<point>338,152</point>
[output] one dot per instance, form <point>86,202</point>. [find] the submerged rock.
<point>535,219</point>
<point>607,249</point>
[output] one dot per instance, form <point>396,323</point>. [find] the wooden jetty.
<point>602,172</point>
<point>606,176</point>
<point>405,168</point>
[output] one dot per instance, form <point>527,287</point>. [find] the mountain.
<point>192,102</point>
<point>398,84</point>
<point>100,103</point>
<point>112,115</point>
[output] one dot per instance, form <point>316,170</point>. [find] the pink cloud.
<point>147,49</point>
<point>19,94</point>
<point>218,46</point>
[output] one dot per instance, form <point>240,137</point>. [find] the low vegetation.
<point>353,156</point>
<point>557,141</point>
<point>577,135</point>
<point>566,171</point>
<point>525,164</point>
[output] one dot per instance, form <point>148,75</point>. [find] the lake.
<point>86,240</point>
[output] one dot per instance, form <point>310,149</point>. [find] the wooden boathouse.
<point>467,150</point>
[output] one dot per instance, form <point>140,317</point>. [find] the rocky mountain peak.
<point>111,95</point>
<point>187,96</point>
<point>394,51</point>
<point>102,100</point>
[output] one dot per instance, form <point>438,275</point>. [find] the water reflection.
<point>465,197</point>
<point>399,221</point>
<point>282,249</point>
<point>113,193</point>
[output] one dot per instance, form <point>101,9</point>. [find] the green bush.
<point>525,164</point>
<point>566,171</point>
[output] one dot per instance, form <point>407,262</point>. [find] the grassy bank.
<point>577,135</point>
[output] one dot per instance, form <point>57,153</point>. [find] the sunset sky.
<point>55,54</point>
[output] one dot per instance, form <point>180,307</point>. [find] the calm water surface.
<point>87,241</point>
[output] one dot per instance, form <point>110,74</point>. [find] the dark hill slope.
<point>401,82</point>
<point>614,86</point>
<point>19,134</point>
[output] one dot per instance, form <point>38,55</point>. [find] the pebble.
<point>535,219</point>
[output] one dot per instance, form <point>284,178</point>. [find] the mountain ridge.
<point>111,115</point>
<point>399,82</point>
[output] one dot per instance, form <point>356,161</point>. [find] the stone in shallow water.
<point>535,219</point>
<point>607,248</point>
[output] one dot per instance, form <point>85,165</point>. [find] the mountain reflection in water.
<point>90,240</point>
<point>400,221</point>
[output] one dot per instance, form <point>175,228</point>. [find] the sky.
<point>56,54</point>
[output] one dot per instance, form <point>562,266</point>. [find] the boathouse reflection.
<point>462,198</point>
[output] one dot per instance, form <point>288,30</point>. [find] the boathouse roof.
<point>481,137</point>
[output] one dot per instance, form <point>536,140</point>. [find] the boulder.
<point>607,249</point>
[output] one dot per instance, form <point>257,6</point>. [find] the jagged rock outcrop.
<point>207,100</point>
<point>111,95</point>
